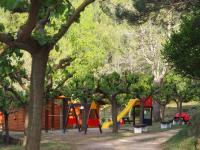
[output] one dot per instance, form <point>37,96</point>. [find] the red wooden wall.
<point>17,118</point>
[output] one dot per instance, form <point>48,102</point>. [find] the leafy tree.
<point>165,95</point>
<point>139,11</point>
<point>46,24</point>
<point>156,20</point>
<point>84,90</point>
<point>111,85</point>
<point>11,78</point>
<point>182,50</point>
<point>142,89</point>
<point>10,99</point>
<point>183,89</point>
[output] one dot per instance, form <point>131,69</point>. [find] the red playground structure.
<point>183,115</point>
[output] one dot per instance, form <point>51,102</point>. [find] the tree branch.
<point>99,90</point>
<point>65,27</point>
<point>63,63</point>
<point>11,42</point>
<point>142,47</point>
<point>63,82</point>
<point>25,31</point>
<point>18,78</point>
<point>41,23</point>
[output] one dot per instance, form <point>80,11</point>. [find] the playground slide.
<point>131,103</point>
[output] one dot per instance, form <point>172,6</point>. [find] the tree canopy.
<point>182,50</point>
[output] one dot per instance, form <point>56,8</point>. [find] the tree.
<point>47,23</point>
<point>183,89</point>
<point>136,12</point>
<point>182,50</point>
<point>84,90</point>
<point>165,95</point>
<point>156,20</point>
<point>111,85</point>
<point>11,79</point>
<point>141,90</point>
<point>10,99</point>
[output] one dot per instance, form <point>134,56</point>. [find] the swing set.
<point>71,116</point>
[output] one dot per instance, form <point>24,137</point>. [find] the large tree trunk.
<point>84,115</point>
<point>163,112</point>
<point>7,137</point>
<point>180,109</point>
<point>36,101</point>
<point>156,106</point>
<point>156,111</point>
<point>177,105</point>
<point>180,106</point>
<point>114,114</point>
<point>142,110</point>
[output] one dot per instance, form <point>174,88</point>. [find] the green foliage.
<point>143,87</point>
<point>8,61</point>
<point>86,44</point>
<point>140,5</point>
<point>182,50</point>
<point>139,11</point>
<point>17,10</point>
<point>136,85</point>
<point>180,87</point>
<point>82,88</point>
<point>2,28</point>
<point>167,91</point>
<point>15,5</point>
<point>111,83</point>
<point>12,72</point>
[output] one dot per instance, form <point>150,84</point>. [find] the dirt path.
<point>151,141</point>
<point>106,141</point>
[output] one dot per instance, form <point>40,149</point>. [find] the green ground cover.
<point>187,138</point>
<point>181,141</point>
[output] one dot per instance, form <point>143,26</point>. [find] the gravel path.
<point>106,141</point>
<point>151,141</point>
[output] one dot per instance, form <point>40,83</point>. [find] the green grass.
<point>185,139</point>
<point>181,141</point>
<point>44,146</point>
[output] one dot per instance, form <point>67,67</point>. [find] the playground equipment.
<point>183,115</point>
<point>131,104</point>
<point>93,121</point>
<point>147,113</point>
<point>1,117</point>
<point>54,115</point>
<point>135,105</point>
<point>72,115</point>
<point>70,109</point>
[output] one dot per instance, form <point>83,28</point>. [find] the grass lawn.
<point>181,141</point>
<point>186,139</point>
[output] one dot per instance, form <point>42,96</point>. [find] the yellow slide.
<point>131,103</point>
